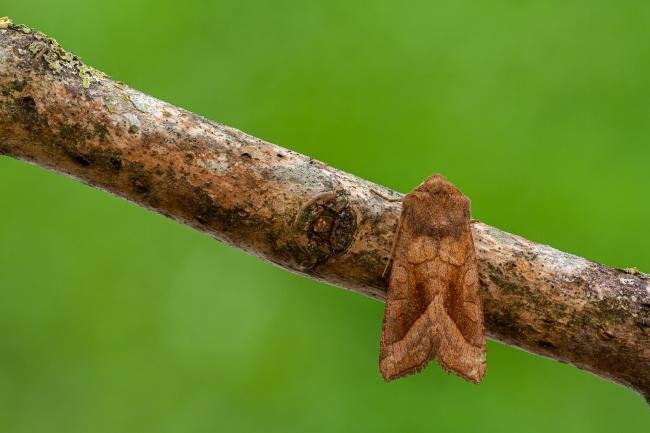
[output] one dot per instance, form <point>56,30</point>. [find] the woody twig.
<point>299,213</point>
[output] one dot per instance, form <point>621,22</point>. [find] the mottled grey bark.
<point>297,212</point>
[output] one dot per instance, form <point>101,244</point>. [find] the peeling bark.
<point>299,213</point>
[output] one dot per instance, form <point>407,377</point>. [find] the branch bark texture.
<point>299,213</point>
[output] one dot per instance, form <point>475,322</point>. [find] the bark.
<point>299,213</point>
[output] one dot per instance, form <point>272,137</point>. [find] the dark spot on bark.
<point>28,104</point>
<point>505,321</point>
<point>279,155</point>
<point>100,131</point>
<point>204,208</point>
<point>81,160</point>
<point>14,86</point>
<point>115,162</point>
<point>19,85</point>
<point>546,344</point>
<point>139,178</point>
<point>326,227</point>
<point>139,185</point>
<point>246,155</point>
<point>643,324</point>
<point>133,129</point>
<point>69,133</point>
<point>189,157</point>
<point>343,230</point>
<point>170,174</point>
<point>498,277</point>
<point>25,112</point>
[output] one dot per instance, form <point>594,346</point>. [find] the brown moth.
<point>433,308</point>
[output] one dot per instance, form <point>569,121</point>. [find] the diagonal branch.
<point>299,213</point>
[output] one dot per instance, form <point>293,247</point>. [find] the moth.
<point>433,308</point>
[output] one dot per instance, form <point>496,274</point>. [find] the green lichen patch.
<point>86,76</point>
<point>56,57</point>
<point>21,28</point>
<point>36,47</point>
<point>53,61</point>
<point>5,22</point>
<point>48,39</point>
<point>62,54</point>
<point>89,75</point>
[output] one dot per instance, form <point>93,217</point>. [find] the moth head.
<point>440,204</point>
<point>437,186</point>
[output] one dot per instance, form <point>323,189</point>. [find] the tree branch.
<point>299,213</point>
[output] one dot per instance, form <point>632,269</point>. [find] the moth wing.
<point>460,315</point>
<point>407,341</point>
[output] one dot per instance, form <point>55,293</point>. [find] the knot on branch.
<point>324,227</point>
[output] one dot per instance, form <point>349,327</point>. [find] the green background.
<point>114,319</point>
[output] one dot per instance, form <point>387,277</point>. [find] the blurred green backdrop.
<point>113,319</point>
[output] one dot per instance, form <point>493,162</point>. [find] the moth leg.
<point>392,250</point>
<point>385,197</point>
